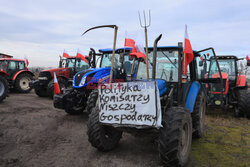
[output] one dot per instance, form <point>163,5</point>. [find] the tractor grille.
<point>79,76</point>
<point>44,77</point>
<point>216,87</point>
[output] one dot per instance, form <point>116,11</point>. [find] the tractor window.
<point>12,65</point>
<point>166,66</point>
<point>21,65</point>
<point>226,66</point>
<point>107,58</point>
<point>3,65</point>
<point>81,65</point>
<point>128,63</point>
<point>70,63</point>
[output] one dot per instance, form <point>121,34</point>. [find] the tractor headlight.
<point>83,81</point>
<point>42,78</point>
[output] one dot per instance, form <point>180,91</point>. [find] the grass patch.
<point>225,142</point>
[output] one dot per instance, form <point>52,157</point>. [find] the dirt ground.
<point>34,133</point>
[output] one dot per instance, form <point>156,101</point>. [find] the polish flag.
<point>129,42</point>
<point>26,61</point>
<point>188,52</point>
<point>247,57</point>
<point>65,54</point>
<point>56,86</point>
<point>79,55</point>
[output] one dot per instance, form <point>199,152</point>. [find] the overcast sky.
<point>41,30</point>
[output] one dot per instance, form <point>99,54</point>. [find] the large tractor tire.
<point>175,137</point>
<point>198,115</point>
<point>50,90</point>
<point>4,87</point>
<point>92,99</point>
<point>244,103</point>
<point>104,138</point>
<point>22,83</point>
<point>41,92</point>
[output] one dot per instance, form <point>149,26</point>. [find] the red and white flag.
<point>26,62</point>
<point>79,55</point>
<point>137,47</point>
<point>188,52</point>
<point>247,57</point>
<point>56,86</point>
<point>65,54</point>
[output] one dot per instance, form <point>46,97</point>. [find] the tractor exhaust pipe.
<point>155,56</point>
<point>93,58</point>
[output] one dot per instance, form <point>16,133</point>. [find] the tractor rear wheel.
<point>92,99</point>
<point>198,115</point>
<point>244,103</point>
<point>104,138</point>
<point>22,83</point>
<point>50,90</point>
<point>175,137</point>
<point>4,87</point>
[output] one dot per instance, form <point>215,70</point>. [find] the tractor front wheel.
<point>198,115</point>
<point>104,138</point>
<point>92,99</point>
<point>175,137</point>
<point>4,86</point>
<point>22,83</point>
<point>41,92</point>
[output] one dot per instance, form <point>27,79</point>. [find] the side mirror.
<point>248,62</point>
<point>200,63</point>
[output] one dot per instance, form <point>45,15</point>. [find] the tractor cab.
<point>12,66</point>
<point>74,64</point>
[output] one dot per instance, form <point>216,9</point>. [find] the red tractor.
<point>16,73</point>
<point>231,89</point>
<point>68,67</point>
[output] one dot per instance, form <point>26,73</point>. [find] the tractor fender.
<point>3,73</point>
<point>21,72</point>
<point>192,95</point>
<point>241,81</point>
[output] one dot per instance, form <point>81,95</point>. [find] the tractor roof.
<point>226,57</point>
<point>10,59</point>
<point>109,50</point>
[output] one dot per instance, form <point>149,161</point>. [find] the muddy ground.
<point>33,133</point>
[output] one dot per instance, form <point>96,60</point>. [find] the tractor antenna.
<point>145,26</point>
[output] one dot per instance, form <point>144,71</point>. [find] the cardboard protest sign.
<point>135,104</point>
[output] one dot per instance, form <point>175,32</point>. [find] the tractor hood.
<point>91,76</point>
<point>57,70</point>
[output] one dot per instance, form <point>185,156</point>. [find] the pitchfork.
<point>145,26</point>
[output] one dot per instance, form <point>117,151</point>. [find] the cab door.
<point>12,68</point>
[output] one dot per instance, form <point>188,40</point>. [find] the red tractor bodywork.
<point>14,69</point>
<point>65,72</point>
<point>225,78</point>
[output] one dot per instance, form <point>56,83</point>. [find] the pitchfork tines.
<point>145,21</point>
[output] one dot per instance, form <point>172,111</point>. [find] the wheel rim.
<point>24,83</point>
<point>1,88</point>
<point>185,138</point>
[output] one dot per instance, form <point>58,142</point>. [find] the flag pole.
<point>113,54</point>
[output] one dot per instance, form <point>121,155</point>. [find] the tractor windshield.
<point>166,66</point>
<point>68,63</point>
<point>107,59</point>
<point>226,66</point>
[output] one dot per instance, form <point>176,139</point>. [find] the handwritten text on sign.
<point>132,103</point>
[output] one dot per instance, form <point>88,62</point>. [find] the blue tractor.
<point>182,101</point>
<point>83,95</point>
